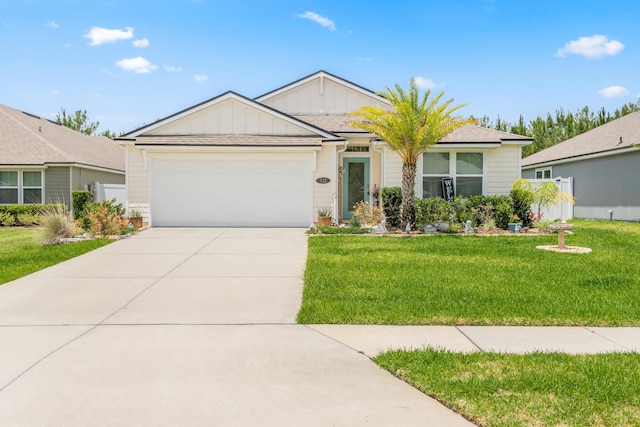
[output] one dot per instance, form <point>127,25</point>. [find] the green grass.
<point>537,389</point>
<point>21,254</point>
<point>476,280</point>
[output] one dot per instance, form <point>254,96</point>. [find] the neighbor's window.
<point>466,169</point>
<point>9,187</point>
<point>17,188</point>
<point>31,187</point>
<point>543,173</point>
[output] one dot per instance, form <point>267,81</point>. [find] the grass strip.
<point>21,254</point>
<point>536,389</point>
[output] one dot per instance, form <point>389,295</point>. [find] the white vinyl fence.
<point>562,211</point>
<point>110,191</point>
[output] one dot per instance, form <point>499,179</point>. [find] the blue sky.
<point>130,62</point>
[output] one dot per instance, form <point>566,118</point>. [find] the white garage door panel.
<point>231,190</point>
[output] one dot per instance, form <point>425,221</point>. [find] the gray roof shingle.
<point>26,139</point>
<point>604,138</point>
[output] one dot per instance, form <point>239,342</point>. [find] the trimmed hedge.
<point>391,200</point>
<point>80,200</point>
<point>26,211</point>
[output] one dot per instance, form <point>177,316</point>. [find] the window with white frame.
<point>543,173</point>
<point>20,187</point>
<point>466,169</point>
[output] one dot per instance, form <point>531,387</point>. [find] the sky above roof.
<point>129,63</point>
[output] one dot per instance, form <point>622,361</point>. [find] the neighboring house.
<point>43,162</point>
<point>603,163</point>
<point>274,160</point>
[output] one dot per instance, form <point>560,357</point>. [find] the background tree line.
<point>551,130</point>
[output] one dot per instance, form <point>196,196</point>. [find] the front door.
<point>355,184</point>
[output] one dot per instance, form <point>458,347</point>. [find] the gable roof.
<point>317,74</point>
<point>146,132</point>
<point>26,139</point>
<point>619,134</point>
<point>478,134</point>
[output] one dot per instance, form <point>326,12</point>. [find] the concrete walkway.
<point>188,327</point>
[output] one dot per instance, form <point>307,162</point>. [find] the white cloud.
<point>52,24</point>
<point>595,46</point>
<point>325,22</point>
<point>102,35</point>
<point>138,65</point>
<point>200,78</point>
<point>66,45</point>
<point>140,43</point>
<point>364,58</point>
<point>425,83</point>
<point>613,92</point>
<point>171,69</point>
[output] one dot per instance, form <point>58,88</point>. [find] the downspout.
<point>383,163</point>
<point>334,201</point>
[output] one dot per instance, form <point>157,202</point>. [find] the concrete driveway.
<point>187,327</point>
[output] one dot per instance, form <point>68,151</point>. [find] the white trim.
<point>209,148</point>
<point>582,157</point>
<point>83,166</point>
<point>453,173</point>
<point>543,170</point>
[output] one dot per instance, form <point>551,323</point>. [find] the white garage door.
<point>231,189</point>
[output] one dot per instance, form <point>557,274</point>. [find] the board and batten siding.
<point>56,185</point>
<point>230,117</point>
<point>325,168</point>
<point>321,96</point>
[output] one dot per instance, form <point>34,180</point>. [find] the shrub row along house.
<point>43,162</point>
<point>276,159</point>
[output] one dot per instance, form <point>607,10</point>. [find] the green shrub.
<point>522,200</point>
<point>498,208</point>
<point>432,210</point>
<point>391,201</point>
<point>56,224</point>
<point>80,201</point>
<point>28,219</point>
<point>16,210</point>
<point>6,219</point>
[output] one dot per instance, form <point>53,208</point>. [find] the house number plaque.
<point>323,180</point>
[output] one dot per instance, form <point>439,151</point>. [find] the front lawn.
<point>21,254</point>
<point>537,389</point>
<point>476,280</point>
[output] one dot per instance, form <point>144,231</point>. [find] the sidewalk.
<point>374,339</point>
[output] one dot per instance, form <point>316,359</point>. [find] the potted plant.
<point>135,219</point>
<point>324,216</point>
<point>443,217</point>
<point>515,223</point>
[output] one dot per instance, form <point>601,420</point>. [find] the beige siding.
<point>325,167</point>
<point>394,169</point>
<point>230,117</point>
<point>503,169</point>
<point>321,96</point>
<point>137,177</point>
<point>56,185</point>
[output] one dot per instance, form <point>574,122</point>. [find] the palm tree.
<point>414,125</point>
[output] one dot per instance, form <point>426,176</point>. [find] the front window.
<point>17,188</point>
<point>466,170</point>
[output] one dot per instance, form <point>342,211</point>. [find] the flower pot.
<point>324,220</point>
<point>136,221</point>
<point>512,226</point>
